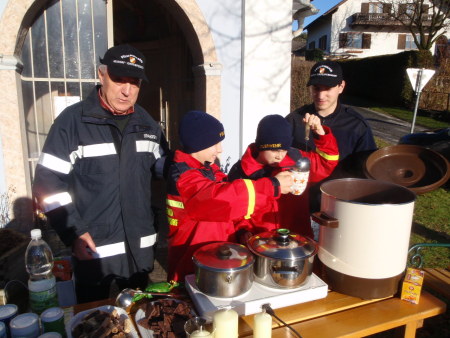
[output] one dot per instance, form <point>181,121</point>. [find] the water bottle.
<point>300,175</point>
<point>42,283</point>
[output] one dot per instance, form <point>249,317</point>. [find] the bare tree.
<point>427,20</point>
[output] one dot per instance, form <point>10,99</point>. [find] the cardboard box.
<point>412,285</point>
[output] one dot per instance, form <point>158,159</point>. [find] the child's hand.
<point>286,180</point>
<point>314,122</point>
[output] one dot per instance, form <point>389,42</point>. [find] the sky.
<point>322,6</point>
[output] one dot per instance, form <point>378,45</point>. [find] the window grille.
<point>60,57</point>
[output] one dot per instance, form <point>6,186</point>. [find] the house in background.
<point>360,28</point>
<point>230,58</point>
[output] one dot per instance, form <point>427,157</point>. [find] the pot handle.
<point>323,219</point>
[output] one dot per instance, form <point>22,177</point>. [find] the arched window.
<point>60,55</point>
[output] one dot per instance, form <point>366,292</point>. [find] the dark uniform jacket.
<point>91,177</point>
<point>353,135</point>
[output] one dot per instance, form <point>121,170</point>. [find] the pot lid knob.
<point>224,252</point>
<point>282,237</point>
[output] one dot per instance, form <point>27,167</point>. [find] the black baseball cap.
<point>325,73</point>
<point>125,61</point>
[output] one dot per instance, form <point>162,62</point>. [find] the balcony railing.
<point>382,19</point>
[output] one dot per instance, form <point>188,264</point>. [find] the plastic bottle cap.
<point>36,234</point>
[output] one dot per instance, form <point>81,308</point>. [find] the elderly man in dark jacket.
<point>93,178</point>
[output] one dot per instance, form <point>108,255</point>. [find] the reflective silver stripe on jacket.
<point>148,147</point>
<point>148,241</point>
<point>119,248</point>
<point>94,150</point>
<point>54,163</point>
<point>55,201</point>
<point>109,250</point>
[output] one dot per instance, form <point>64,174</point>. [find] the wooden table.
<point>340,315</point>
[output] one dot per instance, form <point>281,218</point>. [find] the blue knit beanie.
<point>199,130</point>
<point>274,132</point>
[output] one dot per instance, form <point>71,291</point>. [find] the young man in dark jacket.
<point>93,179</point>
<point>353,134</point>
<point>271,154</point>
<point>201,204</point>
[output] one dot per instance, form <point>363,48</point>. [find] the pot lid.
<point>282,244</point>
<point>223,256</point>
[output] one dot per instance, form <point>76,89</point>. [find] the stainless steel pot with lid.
<point>283,259</point>
<point>223,269</point>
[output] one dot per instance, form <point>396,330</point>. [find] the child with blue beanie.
<point>202,205</point>
<point>271,154</point>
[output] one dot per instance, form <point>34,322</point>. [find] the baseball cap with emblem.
<point>125,61</point>
<point>325,73</point>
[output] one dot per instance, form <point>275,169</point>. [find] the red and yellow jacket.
<point>290,211</point>
<point>202,206</point>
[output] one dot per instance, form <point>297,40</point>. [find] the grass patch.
<point>432,225</point>
<point>407,115</point>
<point>423,118</point>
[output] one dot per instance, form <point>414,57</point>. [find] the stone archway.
<point>17,17</point>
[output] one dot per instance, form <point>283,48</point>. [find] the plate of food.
<point>163,318</point>
<point>103,321</point>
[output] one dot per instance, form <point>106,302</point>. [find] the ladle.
<point>125,298</point>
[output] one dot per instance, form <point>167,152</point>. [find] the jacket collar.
<point>93,112</point>
<point>250,165</point>
<point>181,156</point>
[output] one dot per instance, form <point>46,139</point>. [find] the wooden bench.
<point>437,279</point>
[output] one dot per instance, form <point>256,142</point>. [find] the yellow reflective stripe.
<point>251,198</point>
<point>326,156</point>
<point>175,204</point>
<point>172,221</point>
<point>169,212</point>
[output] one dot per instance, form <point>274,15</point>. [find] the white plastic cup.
<point>25,325</point>
<point>300,181</point>
<point>2,330</point>
<point>7,313</point>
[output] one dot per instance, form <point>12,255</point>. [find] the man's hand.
<point>83,247</point>
<point>286,180</point>
<point>315,124</point>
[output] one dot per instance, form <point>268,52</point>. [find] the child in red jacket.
<point>271,154</point>
<point>201,204</point>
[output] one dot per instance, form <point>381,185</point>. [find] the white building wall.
<point>224,20</point>
<point>383,40</point>
<point>267,63</point>
<point>320,29</point>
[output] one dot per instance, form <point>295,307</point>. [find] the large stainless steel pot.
<point>364,235</point>
<point>223,269</point>
<point>284,260</point>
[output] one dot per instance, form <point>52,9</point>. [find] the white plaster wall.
<point>267,60</point>
<point>256,72</point>
<point>224,20</point>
